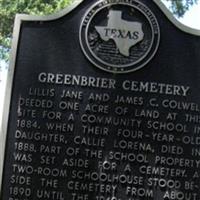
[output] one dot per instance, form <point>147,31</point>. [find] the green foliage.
<point>179,7</point>
<point>8,10</point>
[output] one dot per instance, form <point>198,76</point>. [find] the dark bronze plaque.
<point>103,104</point>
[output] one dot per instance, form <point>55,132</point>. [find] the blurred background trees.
<point>179,7</point>
<point>9,8</point>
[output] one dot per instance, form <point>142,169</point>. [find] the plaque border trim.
<point>16,33</point>
<point>177,23</point>
<point>10,76</point>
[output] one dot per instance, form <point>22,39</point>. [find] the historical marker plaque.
<point>103,104</point>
